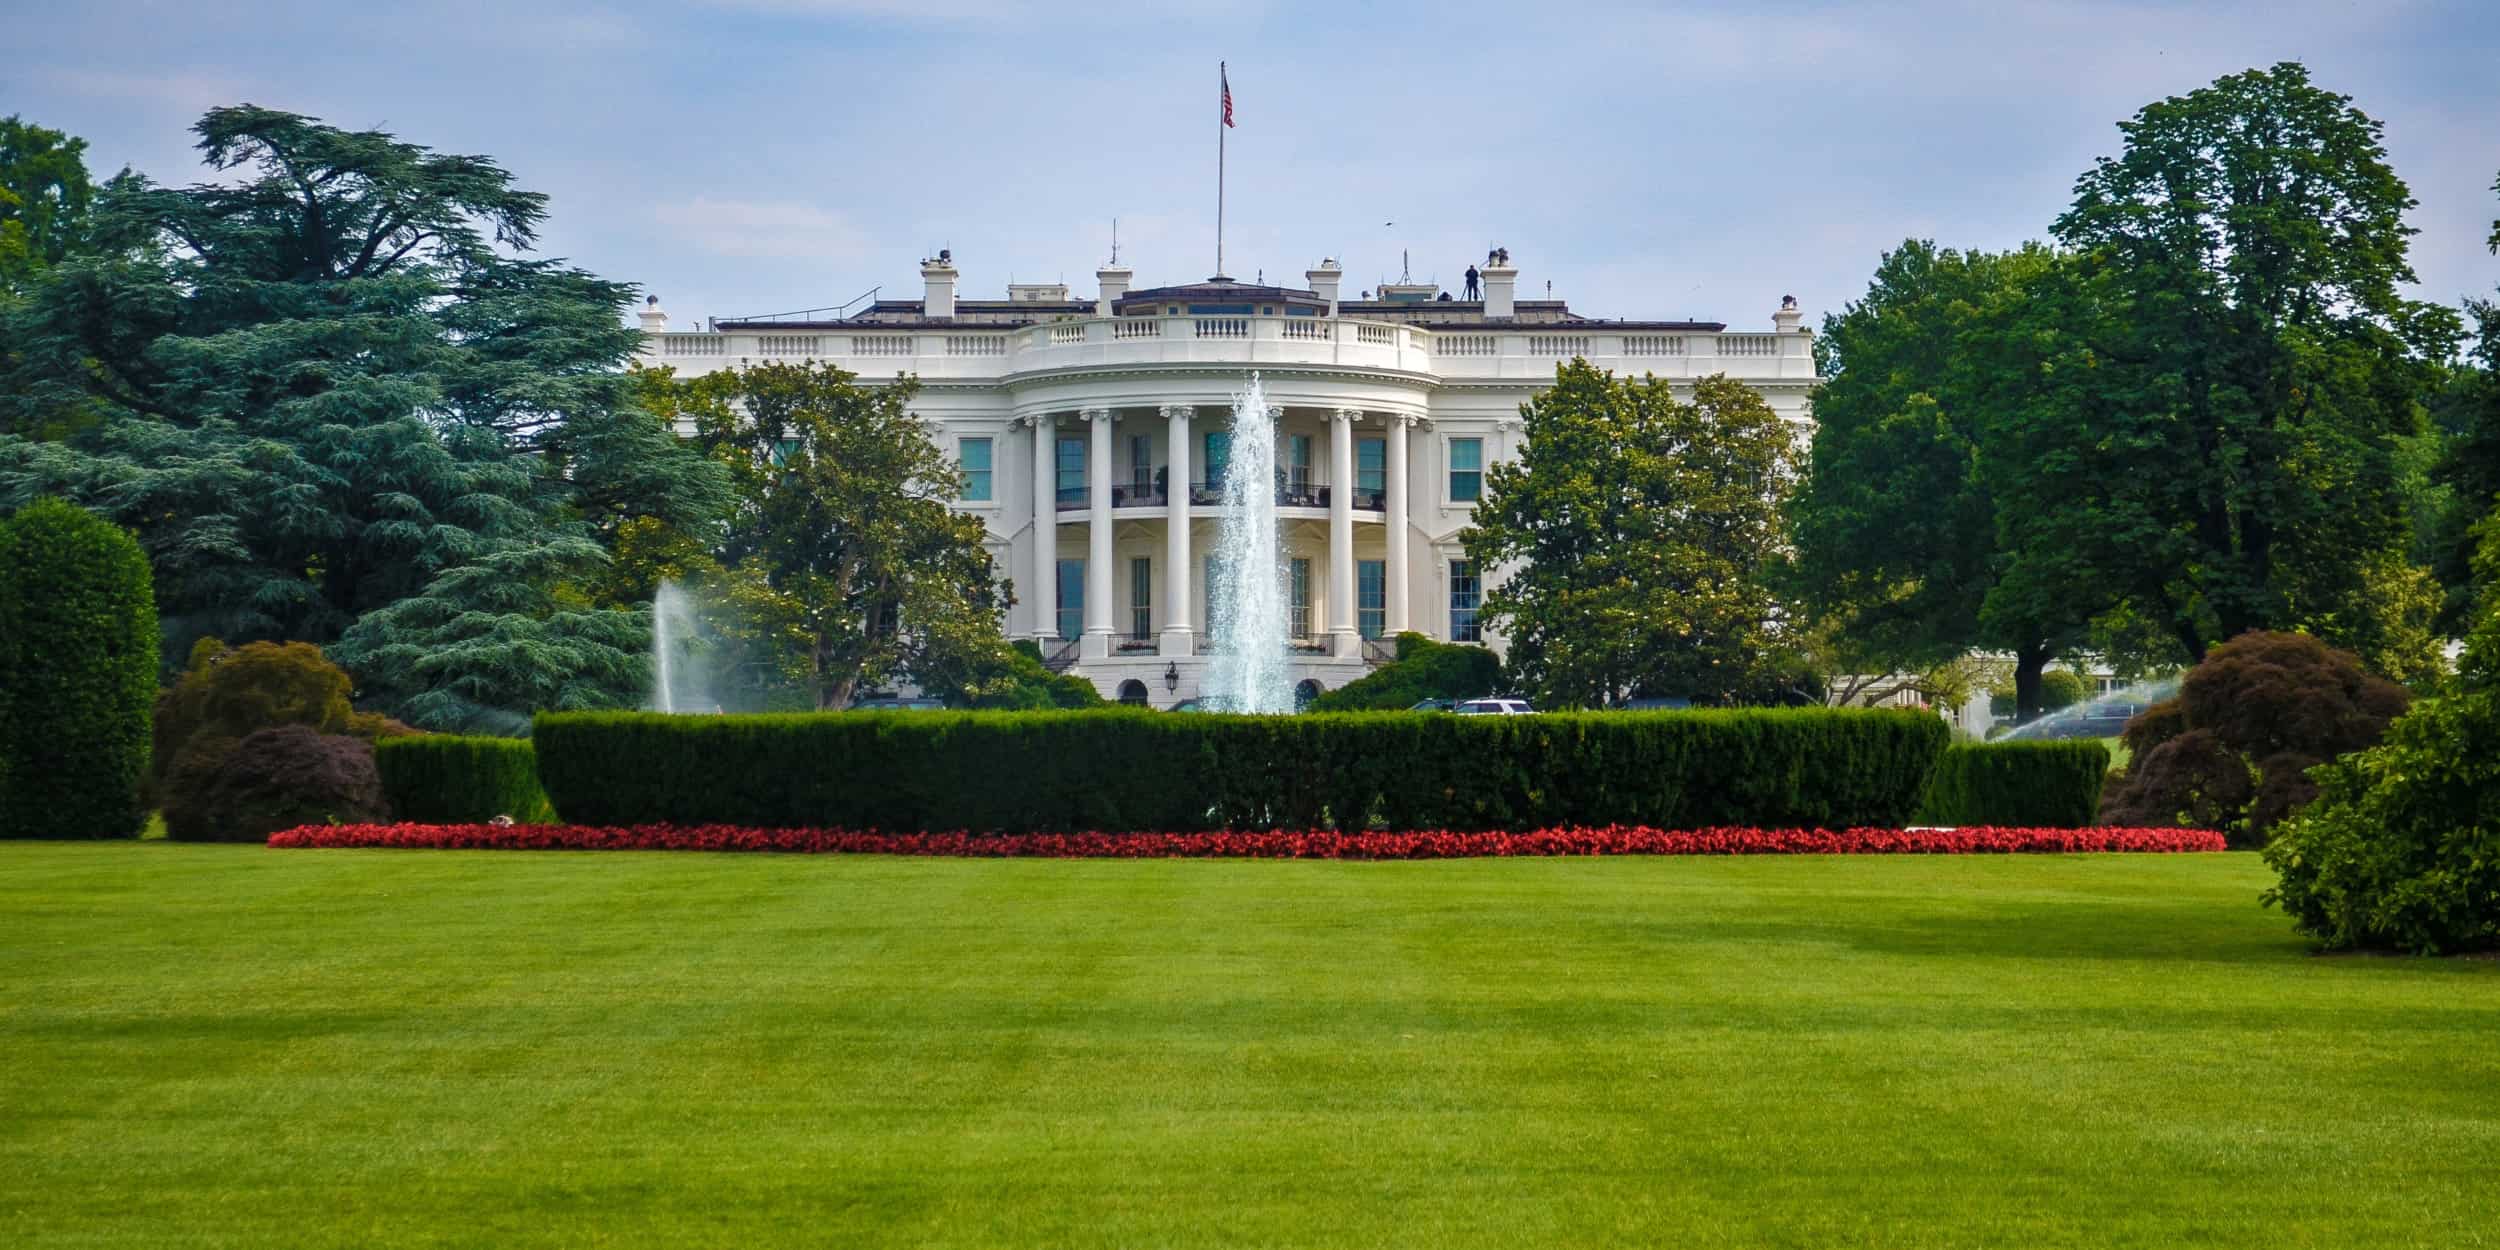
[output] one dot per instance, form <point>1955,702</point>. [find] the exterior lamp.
<point>1171,678</point>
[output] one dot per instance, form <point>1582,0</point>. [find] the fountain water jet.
<point>1249,673</point>
<point>672,628</point>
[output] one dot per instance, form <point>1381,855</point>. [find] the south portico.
<point>1126,493</point>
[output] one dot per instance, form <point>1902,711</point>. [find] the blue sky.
<point>752,156</point>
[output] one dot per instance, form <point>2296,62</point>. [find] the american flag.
<point>1222,77</point>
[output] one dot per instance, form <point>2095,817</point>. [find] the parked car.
<point>1434,705</point>
<point>1494,707</point>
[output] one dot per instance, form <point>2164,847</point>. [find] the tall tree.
<point>1908,555</point>
<point>44,196</point>
<point>2252,366</point>
<point>334,383</point>
<point>1633,539</point>
<point>2469,471</point>
<point>843,552</point>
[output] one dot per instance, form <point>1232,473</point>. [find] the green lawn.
<point>231,1046</point>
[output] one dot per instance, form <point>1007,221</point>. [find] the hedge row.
<point>1126,769</point>
<point>448,779</point>
<point>1253,844</point>
<point>2049,784</point>
<point>77,674</point>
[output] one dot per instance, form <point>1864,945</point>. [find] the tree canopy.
<point>333,383</point>
<point>1634,535</point>
<point>2252,370</point>
<point>44,195</point>
<point>844,563</point>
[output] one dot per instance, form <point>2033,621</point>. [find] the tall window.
<point>1466,595</point>
<point>1466,469</point>
<point>1298,462</point>
<point>1071,471</point>
<point>1219,454</point>
<point>1301,619</point>
<point>1141,598</point>
<point>973,455</point>
<point>1371,598</point>
<point>1371,470</point>
<point>1071,598</point>
<point>1141,465</point>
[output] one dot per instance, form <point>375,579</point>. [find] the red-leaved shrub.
<point>1254,844</point>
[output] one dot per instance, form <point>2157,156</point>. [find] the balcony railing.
<point>1211,495</point>
<point>1523,351</point>
<point>1299,644</point>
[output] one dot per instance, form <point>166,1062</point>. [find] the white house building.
<point>1094,436</point>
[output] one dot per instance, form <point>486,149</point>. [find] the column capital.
<point>1347,414</point>
<point>1096,414</point>
<point>1510,425</point>
<point>1170,411</point>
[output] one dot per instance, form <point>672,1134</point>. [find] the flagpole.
<point>1220,128</point>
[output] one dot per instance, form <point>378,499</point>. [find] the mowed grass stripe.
<point>227,1046</point>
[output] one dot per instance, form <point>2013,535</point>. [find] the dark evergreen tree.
<point>336,384</point>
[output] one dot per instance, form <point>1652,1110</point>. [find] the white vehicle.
<point>1494,707</point>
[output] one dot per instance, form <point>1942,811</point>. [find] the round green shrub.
<point>228,692</point>
<point>272,779</point>
<point>2061,689</point>
<point>2401,850</point>
<point>78,615</point>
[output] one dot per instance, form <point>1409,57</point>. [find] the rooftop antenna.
<point>1115,240</point>
<point>1404,277</point>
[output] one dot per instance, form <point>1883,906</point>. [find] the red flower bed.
<point>1621,840</point>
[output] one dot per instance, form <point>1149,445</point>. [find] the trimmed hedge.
<point>1126,769</point>
<point>448,779</point>
<point>78,639</point>
<point>2053,784</point>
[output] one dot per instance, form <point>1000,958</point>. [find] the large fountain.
<point>1249,673</point>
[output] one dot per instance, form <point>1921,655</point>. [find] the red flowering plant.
<point>1256,844</point>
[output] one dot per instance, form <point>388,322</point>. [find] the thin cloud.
<point>774,229</point>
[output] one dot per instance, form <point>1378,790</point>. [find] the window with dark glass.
<point>1466,469</point>
<point>1371,598</point>
<point>1466,595</point>
<point>973,456</point>
<point>1371,471</point>
<point>1141,598</point>
<point>1219,447</point>
<point>1298,463</point>
<point>1141,465</point>
<point>1301,575</point>
<point>1071,471</point>
<point>1071,597</point>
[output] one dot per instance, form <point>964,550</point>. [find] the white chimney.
<point>940,275</point>
<point>1501,286</point>
<point>1785,320</point>
<point>1114,278</point>
<point>653,320</point>
<point>1324,281</point>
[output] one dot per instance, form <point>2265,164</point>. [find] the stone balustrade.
<point>1522,352</point>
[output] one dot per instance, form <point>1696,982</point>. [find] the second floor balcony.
<point>1289,494</point>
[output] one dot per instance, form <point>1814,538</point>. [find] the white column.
<point>1343,641</point>
<point>1098,546</point>
<point>1397,572</point>
<point>1177,639</point>
<point>1044,590</point>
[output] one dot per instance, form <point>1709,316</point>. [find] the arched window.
<point>1133,692</point>
<point>1304,692</point>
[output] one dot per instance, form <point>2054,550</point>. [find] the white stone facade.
<point>1094,410</point>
